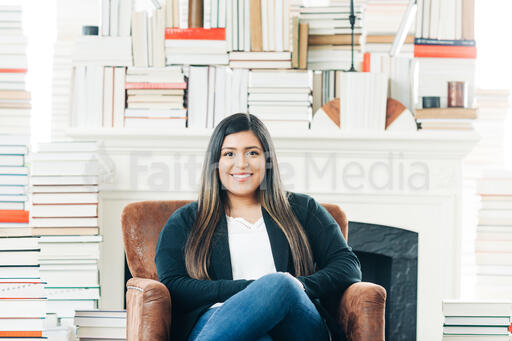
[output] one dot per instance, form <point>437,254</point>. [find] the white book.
<point>283,97</point>
<point>13,171</point>
<point>229,24</point>
<point>477,320</point>
<point>211,97</point>
<point>97,332</point>
<point>198,88</point>
<point>20,257</point>
<point>220,94</point>
<point>154,123</point>
<point>260,64</point>
<point>279,23</point>
<point>264,25</point>
<point>93,321</point>
<point>287,79</point>
<point>119,96</point>
<point>260,56</point>
<point>13,190</point>
<point>66,250</point>
<point>62,198</point>
<point>101,313</point>
<point>300,111</point>
<point>78,167</point>
<point>19,243</point>
<point>198,59</point>
<point>247,25</point>
<point>477,308</point>
<point>72,293</point>
<point>22,308</point>
<point>64,222</point>
<point>155,113</point>
<point>108,97</point>
<point>65,211</point>
<point>124,23</point>
<point>476,330</point>
<point>19,272</point>
<point>271,8</point>
<point>222,9</point>
<point>67,308</point>
<point>13,180</point>
<point>236,29</point>
<point>64,180</point>
<point>20,288</point>
<point>105,17</point>
<point>12,160</point>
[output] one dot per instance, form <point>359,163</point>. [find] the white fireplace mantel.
<point>407,180</point>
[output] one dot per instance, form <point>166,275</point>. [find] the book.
<point>255,25</point>
<point>333,39</point>
<point>477,320</point>
<point>449,113</point>
<point>476,308</point>
<point>441,51</point>
<point>442,42</point>
<point>476,330</point>
<point>195,33</point>
<point>14,216</point>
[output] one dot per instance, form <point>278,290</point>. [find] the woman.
<point>249,261</point>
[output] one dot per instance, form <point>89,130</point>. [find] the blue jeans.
<point>274,307</point>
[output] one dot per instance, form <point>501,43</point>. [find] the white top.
<point>249,247</point>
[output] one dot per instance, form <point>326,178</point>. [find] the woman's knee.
<point>280,282</point>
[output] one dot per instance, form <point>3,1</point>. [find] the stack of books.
<point>69,267</point>
<point>493,109</point>
<point>476,320</point>
<point>148,37</point>
<point>13,186</point>
<point>493,244</point>
<point>282,99</point>
<point>22,307</point>
<point>446,118</point>
<point>155,98</point>
<point>196,46</point>
<point>330,36</point>
<point>101,324</point>
<point>64,186</point>
<point>382,20</point>
<point>356,111</point>
<point>14,99</point>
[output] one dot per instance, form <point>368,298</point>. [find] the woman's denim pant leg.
<point>274,307</point>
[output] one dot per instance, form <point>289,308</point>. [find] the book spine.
<point>366,62</point>
<point>182,85</point>
<point>433,51</point>
<point>303,45</point>
<point>195,33</point>
<point>256,32</point>
<point>195,13</point>
<point>14,216</point>
<point>449,42</point>
<point>13,70</point>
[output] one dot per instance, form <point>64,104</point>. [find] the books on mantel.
<point>480,320</point>
<point>445,29</point>
<point>196,46</point>
<point>14,98</point>
<point>156,98</point>
<point>100,324</point>
<point>446,118</point>
<point>260,60</point>
<point>281,99</point>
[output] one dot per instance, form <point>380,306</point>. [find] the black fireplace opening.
<point>389,257</point>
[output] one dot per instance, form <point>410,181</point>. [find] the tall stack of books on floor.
<point>281,99</point>
<point>14,99</point>
<point>156,98</point>
<point>477,320</point>
<point>64,188</point>
<point>100,324</point>
<point>493,244</point>
<point>329,42</point>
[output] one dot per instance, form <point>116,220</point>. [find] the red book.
<point>195,33</point>
<point>442,51</point>
<point>366,62</point>
<point>21,333</point>
<point>13,70</point>
<point>142,85</point>
<point>13,216</point>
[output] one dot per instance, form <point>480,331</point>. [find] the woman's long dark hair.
<point>213,200</point>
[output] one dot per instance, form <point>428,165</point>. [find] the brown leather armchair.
<point>148,303</point>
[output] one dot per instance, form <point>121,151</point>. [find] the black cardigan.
<point>337,267</point>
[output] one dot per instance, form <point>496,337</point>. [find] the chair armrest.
<point>362,312</point>
<point>148,310</point>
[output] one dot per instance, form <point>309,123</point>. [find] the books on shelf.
<point>196,46</point>
<point>281,98</point>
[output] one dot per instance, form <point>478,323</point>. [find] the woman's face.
<point>241,164</point>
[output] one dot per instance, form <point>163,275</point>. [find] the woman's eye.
<point>228,154</point>
<point>253,153</point>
